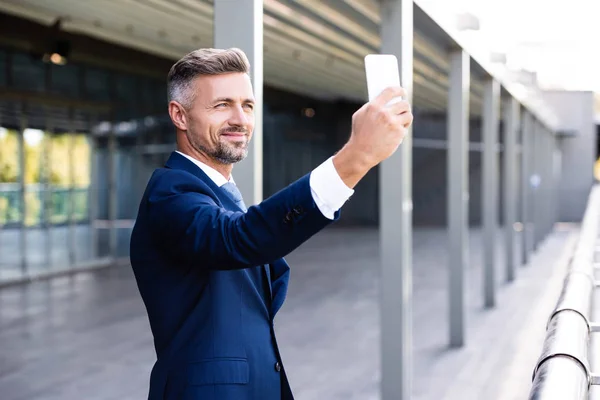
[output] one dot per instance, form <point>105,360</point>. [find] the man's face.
<point>221,117</point>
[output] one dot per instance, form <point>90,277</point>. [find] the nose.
<point>238,116</point>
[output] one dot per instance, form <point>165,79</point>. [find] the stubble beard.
<point>224,152</point>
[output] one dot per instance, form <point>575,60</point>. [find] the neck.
<point>223,169</point>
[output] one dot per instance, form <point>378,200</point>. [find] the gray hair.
<point>202,62</point>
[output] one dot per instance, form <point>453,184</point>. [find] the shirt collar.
<point>212,173</point>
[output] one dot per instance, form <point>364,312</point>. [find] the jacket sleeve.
<point>187,220</point>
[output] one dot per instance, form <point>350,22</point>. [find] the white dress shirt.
<point>327,188</point>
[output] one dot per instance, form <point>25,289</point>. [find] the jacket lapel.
<point>177,161</point>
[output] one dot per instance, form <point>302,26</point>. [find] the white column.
<point>510,187</point>
<point>491,103</point>
<point>240,24</point>
<point>458,191</point>
<point>525,186</point>
<point>395,221</point>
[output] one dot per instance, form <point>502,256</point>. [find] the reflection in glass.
<point>82,175</point>
<point>60,179</point>
<point>10,208</point>
<point>69,179</point>
<point>28,72</point>
<point>35,140</point>
<point>10,205</point>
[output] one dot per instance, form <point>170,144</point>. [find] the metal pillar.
<point>112,172</point>
<point>542,174</point>
<point>556,169</point>
<point>491,103</point>
<point>93,192</point>
<point>71,220</point>
<point>551,181</point>
<point>458,191</point>
<point>395,221</point>
<point>531,171</point>
<point>510,187</point>
<point>46,195</point>
<point>240,24</point>
<point>545,183</point>
<point>525,187</point>
<point>1,225</point>
<point>23,228</point>
<point>538,182</point>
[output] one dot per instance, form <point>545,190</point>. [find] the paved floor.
<point>87,336</point>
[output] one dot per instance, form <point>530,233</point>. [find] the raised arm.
<point>185,217</point>
<point>187,220</point>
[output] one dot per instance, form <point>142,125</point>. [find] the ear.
<point>178,116</point>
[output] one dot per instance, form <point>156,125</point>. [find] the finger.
<point>399,107</point>
<point>405,119</point>
<point>388,94</point>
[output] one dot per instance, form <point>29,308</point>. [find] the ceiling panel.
<point>311,47</point>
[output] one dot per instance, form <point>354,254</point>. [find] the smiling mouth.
<point>235,136</point>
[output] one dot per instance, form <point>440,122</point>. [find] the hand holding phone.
<point>380,125</point>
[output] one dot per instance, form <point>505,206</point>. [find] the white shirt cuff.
<point>328,190</point>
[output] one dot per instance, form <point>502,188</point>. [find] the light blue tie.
<point>235,195</point>
<point>260,273</point>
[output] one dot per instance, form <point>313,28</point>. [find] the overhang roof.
<point>310,47</point>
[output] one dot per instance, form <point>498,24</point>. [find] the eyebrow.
<point>230,100</point>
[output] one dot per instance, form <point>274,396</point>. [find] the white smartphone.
<point>382,72</point>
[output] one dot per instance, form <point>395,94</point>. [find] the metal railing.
<point>563,369</point>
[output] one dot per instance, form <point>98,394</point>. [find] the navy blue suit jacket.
<point>212,279</point>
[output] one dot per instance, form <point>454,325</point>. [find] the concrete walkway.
<point>87,336</point>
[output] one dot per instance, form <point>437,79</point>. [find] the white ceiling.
<point>311,46</point>
<point>552,38</point>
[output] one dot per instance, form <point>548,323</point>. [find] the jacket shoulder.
<point>171,181</point>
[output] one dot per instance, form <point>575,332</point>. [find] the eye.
<point>221,105</point>
<point>249,106</point>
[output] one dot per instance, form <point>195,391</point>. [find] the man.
<point>210,271</point>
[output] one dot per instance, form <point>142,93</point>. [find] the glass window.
<point>82,175</point>
<point>126,88</point>
<point>160,96</point>
<point>60,177</point>
<point>126,93</point>
<point>64,80</point>
<point>3,77</point>
<point>28,72</point>
<point>35,142</point>
<point>10,208</point>
<point>97,84</point>
<point>146,94</point>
